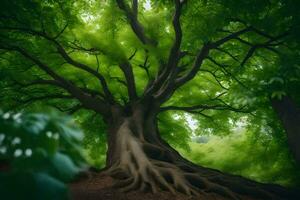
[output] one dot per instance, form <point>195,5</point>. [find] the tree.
<point>129,63</point>
<point>284,99</point>
<point>289,114</point>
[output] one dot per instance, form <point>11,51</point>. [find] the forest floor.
<point>98,186</point>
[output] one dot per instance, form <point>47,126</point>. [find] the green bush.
<point>39,153</point>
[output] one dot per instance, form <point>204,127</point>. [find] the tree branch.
<point>129,76</point>
<point>230,37</point>
<point>134,23</point>
<point>203,107</point>
<point>119,80</point>
<point>267,45</point>
<point>135,6</point>
<point>229,73</point>
<point>145,66</point>
<point>86,68</point>
<point>228,53</point>
<point>49,96</point>
<point>88,91</point>
<point>70,110</point>
<point>61,32</point>
<point>215,77</point>
<point>86,100</point>
<point>169,72</point>
<point>67,58</point>
<point>203,53</point>
<point>205,50</point>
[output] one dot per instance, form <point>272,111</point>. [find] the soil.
<point>97,186</point>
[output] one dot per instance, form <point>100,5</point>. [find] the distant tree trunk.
<point>289,114</point>
<point>138,159</point>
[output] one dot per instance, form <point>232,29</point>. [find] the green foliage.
<point>242,154</point>
<point>29,185</point>
<point>174,131</point>
<point>94,141</point>
<point>38,153</point>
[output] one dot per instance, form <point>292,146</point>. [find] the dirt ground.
<point>99,187</point>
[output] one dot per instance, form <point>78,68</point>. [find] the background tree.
<point>129,62</point>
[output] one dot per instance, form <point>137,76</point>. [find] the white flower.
<point>49,134</point>
<point>28,152</point>
<point>2,137</point>
<point>3,150</point>
<point>16,116</point>
<point>6,115</point>
<point>16,140</point>
<point>18,152</point>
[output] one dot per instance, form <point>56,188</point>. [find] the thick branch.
<point>230,37</point>
<point>168,89</point>
<point>174,54</point>
<point>129,76</point>
<point>167,75</point>
<point>135,6</point>
<point>204,52</point>
<point>196,66</point>
<point>67,58</point>
<point>86,68</point>
<point>86,100</point>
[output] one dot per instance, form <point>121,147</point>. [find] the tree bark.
<point>138,159</point>
<point>289,114</point>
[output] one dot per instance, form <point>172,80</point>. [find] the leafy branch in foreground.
<point>38,154</point>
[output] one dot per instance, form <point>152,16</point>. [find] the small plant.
<point>38,154</point>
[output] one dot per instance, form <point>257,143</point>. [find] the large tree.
<point>128,61</point>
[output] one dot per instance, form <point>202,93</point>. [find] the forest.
<point>146,99</point>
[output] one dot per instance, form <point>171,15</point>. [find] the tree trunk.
<point>289,114</point>
<point>138,159</point>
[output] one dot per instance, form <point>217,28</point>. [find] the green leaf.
<point>64,167</point>
<point>33,186</point>
<point>49,188</point>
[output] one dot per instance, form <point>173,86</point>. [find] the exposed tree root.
<point>144,166</point>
